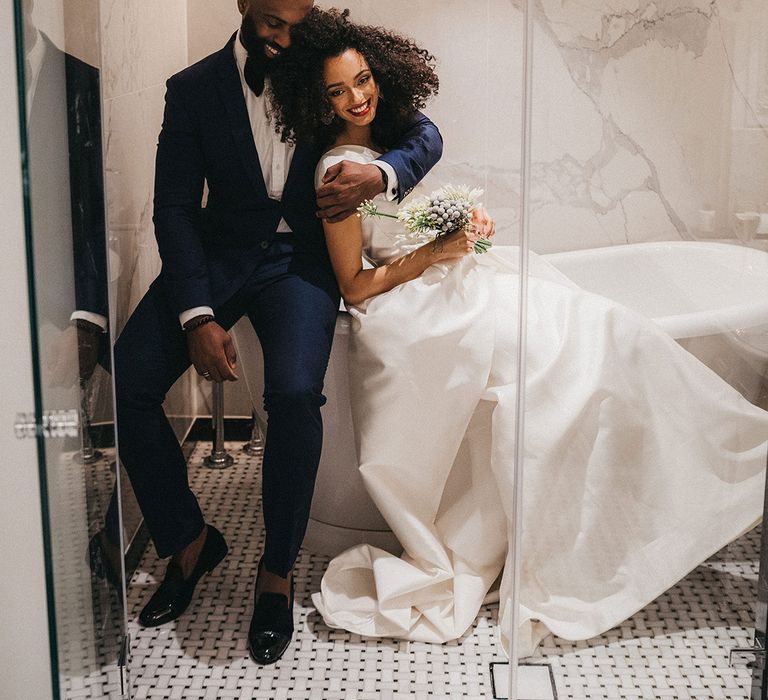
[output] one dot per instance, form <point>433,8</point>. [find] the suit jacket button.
<point>265,244</point>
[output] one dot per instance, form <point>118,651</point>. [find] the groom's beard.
<point>255,45</point>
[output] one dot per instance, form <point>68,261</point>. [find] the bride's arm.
<point>345,246</point>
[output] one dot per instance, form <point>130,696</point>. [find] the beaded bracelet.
<point>192,325</point>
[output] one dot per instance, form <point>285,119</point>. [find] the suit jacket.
<point>86,177</point>
<point>206,136</point>
<point>67,187</point>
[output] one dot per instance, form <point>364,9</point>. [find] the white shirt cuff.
<point>98,319</point>
<point>189,314</point>
<point>391,192</point>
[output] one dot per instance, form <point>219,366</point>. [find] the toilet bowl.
<point>342,513</point>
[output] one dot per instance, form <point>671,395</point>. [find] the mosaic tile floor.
<point>677,647</point>
<point>89,618</point>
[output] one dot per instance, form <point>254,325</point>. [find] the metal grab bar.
<point>219,457</point>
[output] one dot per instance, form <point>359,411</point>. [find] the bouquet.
<point>433,216</point>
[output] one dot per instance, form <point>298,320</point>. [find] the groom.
<point>256,248</point>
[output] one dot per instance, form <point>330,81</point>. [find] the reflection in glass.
<point>66,196</point>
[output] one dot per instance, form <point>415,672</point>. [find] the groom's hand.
<point>345,187</point>
<point>212,352</point>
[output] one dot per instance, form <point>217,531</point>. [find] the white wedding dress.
<point>640,461</point>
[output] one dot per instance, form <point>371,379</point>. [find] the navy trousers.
<point>292,300</point>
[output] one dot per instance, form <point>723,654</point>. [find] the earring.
<point>381,94</point>
<point>328,117</point>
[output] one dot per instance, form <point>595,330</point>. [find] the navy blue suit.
<point>229,256</point>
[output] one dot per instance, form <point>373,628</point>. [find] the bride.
<point>640,461</point>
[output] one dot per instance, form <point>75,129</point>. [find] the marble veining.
<point>650,86</point>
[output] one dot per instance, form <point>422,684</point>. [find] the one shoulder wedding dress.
<point>640,462</point>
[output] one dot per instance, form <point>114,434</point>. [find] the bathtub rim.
<point>726,319</point>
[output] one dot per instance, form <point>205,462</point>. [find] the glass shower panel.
<point>648,345</point>
<point>62,157</point>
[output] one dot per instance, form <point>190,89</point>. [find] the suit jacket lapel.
<point>231,92</point>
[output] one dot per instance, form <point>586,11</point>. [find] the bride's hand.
<point>454,245</point>
<point>485,225</point>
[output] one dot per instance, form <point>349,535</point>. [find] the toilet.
<point>342,513</point>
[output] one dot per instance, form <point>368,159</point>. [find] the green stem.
<point>482,245</point>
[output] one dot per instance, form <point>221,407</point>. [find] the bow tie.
<point>255,71</point>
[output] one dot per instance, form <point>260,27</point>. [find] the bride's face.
<point>351,88</point>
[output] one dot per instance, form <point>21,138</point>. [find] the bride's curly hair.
<point>403,71</point>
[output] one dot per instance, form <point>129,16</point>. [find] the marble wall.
<point>748,181</point>
<point>645,113</point>
<point>209,26</point>
<point>72,25</point>
<point>81,28</point>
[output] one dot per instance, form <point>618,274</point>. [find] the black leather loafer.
<point>175,593</point>
<point>271,625</point>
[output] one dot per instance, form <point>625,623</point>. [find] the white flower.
<point>444,211</point>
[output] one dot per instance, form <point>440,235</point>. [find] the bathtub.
<point>711,297</point>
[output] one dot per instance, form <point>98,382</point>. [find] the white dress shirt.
<point>275,156</point>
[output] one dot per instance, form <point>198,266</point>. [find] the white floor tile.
<point>677,647</point>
